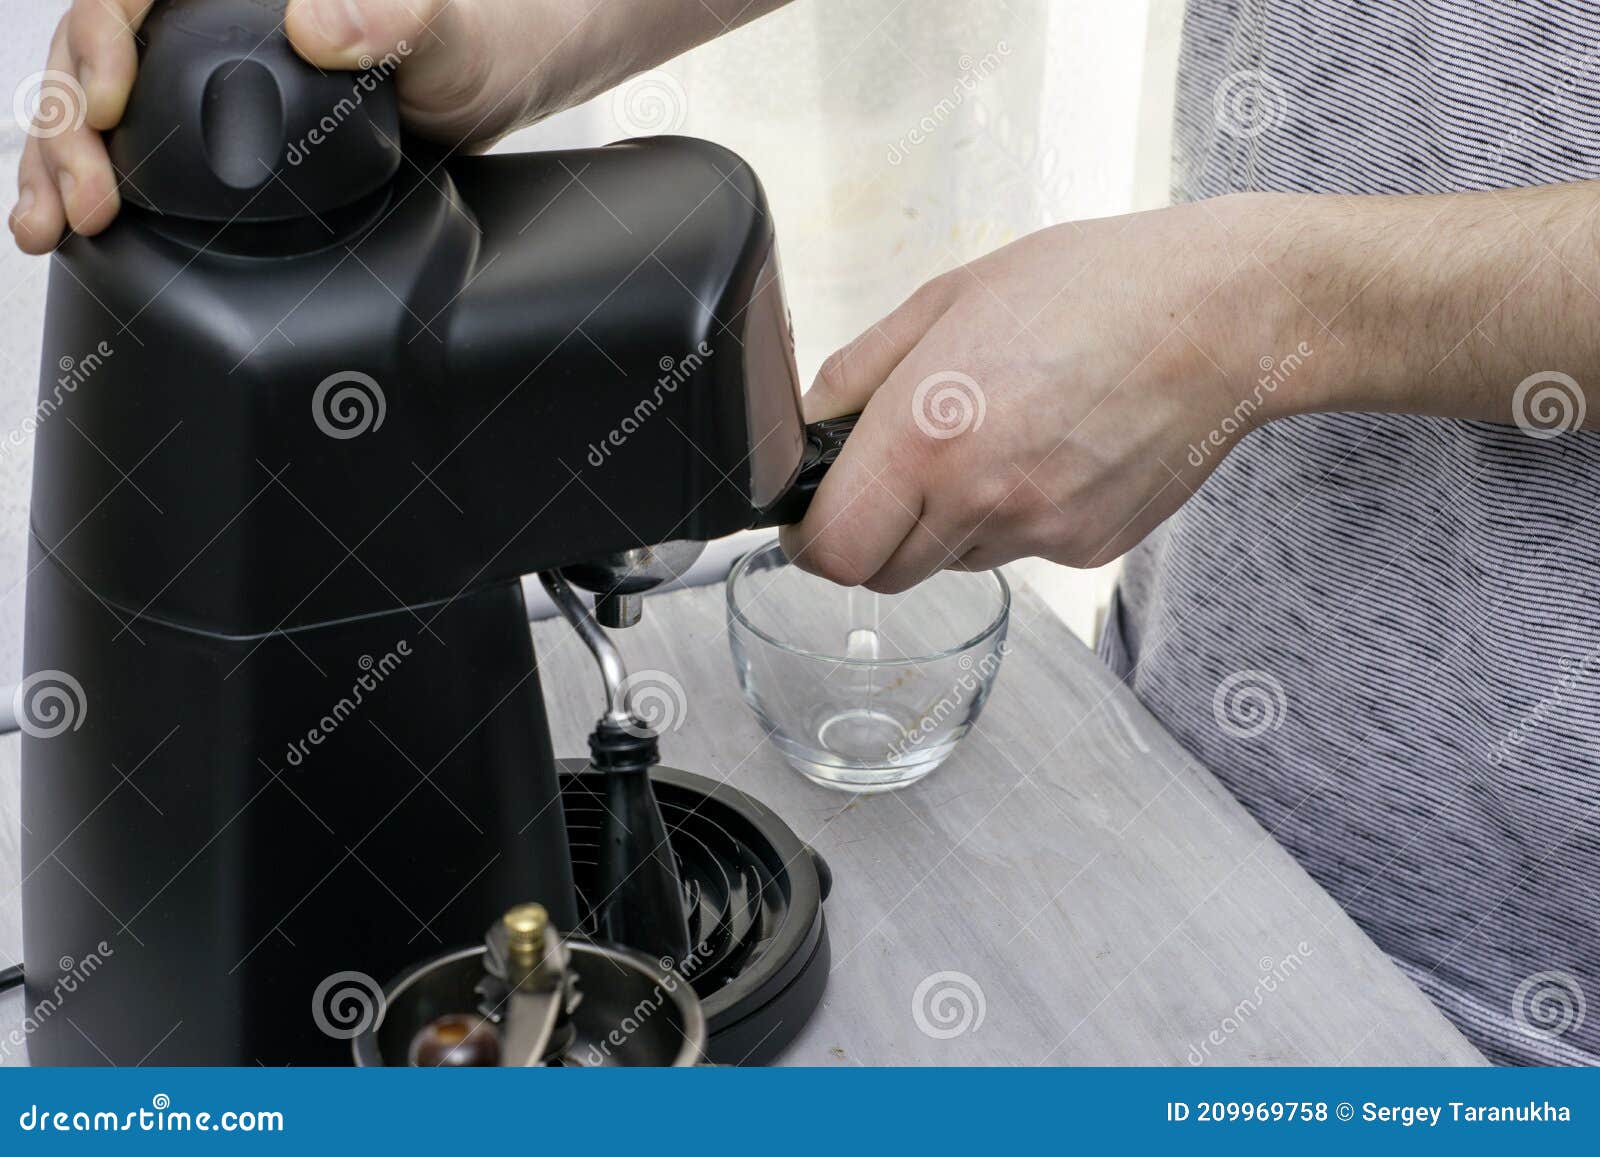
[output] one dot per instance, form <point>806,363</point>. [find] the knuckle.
<point>97,202</point>
<point>471,72</point>
<point>830,378</point>
<point>465,85</point>
<point>986,495</point>
<point>936,293</point>
<point>844,567</point>
<point>880,585</point>
<point>1072,547</point>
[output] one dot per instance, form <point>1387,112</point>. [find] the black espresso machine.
<point>332,392</point>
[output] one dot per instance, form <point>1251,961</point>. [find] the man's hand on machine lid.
<point>451,88</point>
<point>65,176</point>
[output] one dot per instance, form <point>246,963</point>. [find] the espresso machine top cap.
<point>227,123</point>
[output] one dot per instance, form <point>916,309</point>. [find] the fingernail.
<point>340,22</point>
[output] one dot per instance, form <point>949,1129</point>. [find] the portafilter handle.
<point>824,442</point>
<point>619,581</point>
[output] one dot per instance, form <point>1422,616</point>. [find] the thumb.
<point>348,34</point>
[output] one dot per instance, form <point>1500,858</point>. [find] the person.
<point>1333,401</point>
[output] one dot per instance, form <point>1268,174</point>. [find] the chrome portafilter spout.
<point>619,581</point>
<point>640,900</point>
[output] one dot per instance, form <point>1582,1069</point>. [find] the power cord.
<point>10,977</point>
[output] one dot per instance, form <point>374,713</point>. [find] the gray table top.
<point>1070,872</point>
<point>1070,888</point>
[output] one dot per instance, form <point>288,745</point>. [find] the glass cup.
<point>860,691</point>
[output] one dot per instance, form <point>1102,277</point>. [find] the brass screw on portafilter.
<point>639,903</point>
<point>525,926</point>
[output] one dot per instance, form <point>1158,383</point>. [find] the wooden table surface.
<point>1070,888</point>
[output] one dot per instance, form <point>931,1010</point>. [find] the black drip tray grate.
<point>754,897</point>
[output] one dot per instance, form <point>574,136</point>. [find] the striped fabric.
<point>1383,633</point>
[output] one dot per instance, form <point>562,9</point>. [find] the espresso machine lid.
<point>227,123</point>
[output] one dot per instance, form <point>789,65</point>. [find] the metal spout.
<point>613,672</point>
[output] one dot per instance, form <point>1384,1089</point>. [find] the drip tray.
<point>753,893</point>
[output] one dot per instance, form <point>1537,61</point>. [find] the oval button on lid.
<point>242,123</point>
<point>227,123</point>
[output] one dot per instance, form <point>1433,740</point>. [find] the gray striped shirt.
<point>1383,632</point>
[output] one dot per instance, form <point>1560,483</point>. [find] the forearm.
<point>615,39</point>
<point>1438,305</point>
